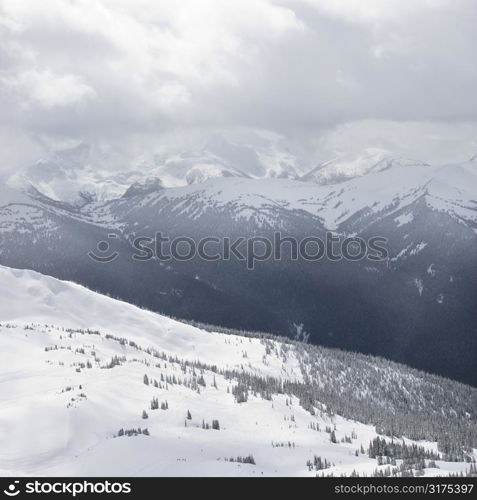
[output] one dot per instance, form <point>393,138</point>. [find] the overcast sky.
<point>327,75</point>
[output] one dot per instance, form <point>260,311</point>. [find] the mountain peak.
<point>142,187</point>
<point>350,166</point>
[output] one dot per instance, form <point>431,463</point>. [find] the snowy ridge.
<point>452,189</point>
<point>350,166</point>
<point>64,303</point>
<point>247,180</point>
<point>78,370</point>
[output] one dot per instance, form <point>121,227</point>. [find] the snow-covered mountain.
<point>417,306</point>
<point>188,168</point>
<point>451,189</point>
<point>350,166</point>
<point>83,173</point>
<point>75,175</point>
<point>94,386</point>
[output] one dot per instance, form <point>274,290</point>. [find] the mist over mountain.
<point>350,166</point>
<point>85,173</point>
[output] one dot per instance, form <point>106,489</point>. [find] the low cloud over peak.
<point>326,75</point>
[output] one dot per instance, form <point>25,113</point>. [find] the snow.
<point>59,181</point>
<point>403,219</point>
<point>351,165</point>
<point>419,285</point>
<point>84,171</point>
<point>49,298</point>
<point>379,193</point>
<point>58,417</point>
<point>418,248</point>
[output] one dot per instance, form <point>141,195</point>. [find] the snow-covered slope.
<point>350,166</point>
<point>78,370</point>
<point>451,189</point>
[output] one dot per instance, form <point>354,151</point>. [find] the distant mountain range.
<point>82,174</point>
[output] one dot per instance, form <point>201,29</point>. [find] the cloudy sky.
<point>328,75</point>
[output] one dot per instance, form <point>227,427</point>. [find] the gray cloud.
<point>132,74</point>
